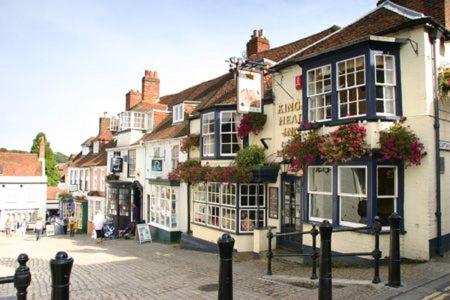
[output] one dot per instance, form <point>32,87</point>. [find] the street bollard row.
<point>60,268</point>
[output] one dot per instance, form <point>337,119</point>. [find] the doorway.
<point>291,221</point>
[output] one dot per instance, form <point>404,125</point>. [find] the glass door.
<point>291,211</point>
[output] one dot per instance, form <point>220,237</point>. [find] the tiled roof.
<point>104,136</point>
<point>20,164</point>
<point>167,130</point>
<point>378,22</point>
<point>88,142</point>
<point>53,192</point>
<point>145,106</point>
<point>93,159</point>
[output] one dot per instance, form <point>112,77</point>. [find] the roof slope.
<point>167,130</point>
<point>385,18</point>
<point>20,164</point>
<point>93,159</point>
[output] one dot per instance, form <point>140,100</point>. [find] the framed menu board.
<point>273,202</point>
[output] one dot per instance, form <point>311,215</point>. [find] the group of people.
<point>17,227</point>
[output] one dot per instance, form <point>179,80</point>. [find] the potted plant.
<point>253,159</point>
<point>399,142</point>
<point>112,177</point>
<point>189,142</point>
<point>251,122</point>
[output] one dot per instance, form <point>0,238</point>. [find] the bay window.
<point>163,207</point>
<point>319,94</point>
<point>352,192</point>
<point>208,134</point>
<point>387,192</point>
<point>385,84</point>
<point>216,205</point>
<point>320,193</point>
<point>229,143</point>
<point>351,87</point>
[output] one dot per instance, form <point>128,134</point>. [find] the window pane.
<point>321,206</point>
<point>386,206</point>
<point>320,179</point>
<point>386,181</point>
<point>352,181</point>
<point>353,209</point>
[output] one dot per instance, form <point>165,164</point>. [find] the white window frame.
<point>159,199</point>
<point>384,84</point>
<point>248,210</point>
<point>178,113</point>
<point>96,147</point>
<point>319,193</point>
<point>231,133</point>
<point>133,174</point>
<point>388,196</point>
<point>322,96</point>
<point>347,88</point>
<point>94,179</point>
<point>174,155</point>
<point>346,223</point>
<point>208,135</point>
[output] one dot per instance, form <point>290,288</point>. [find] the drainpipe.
<point>435,38</point>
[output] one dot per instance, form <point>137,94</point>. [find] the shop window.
<point>208,134</point>
<point>229,218</point>
<point>131,163</point>
<point>352,192</point>
<point>124,199</point>
<point>252,195</point>
<point>320,193</point>
<point>113,195</point>
<point>387,192</point>
<point>229,194</point>
<point>319,94</point>
<point>351,87</point>
<point>213,215</point>
<point>385,84</point>
<point>214,192</point>
<point>229,143</point>
<point>249,218</point>
<point>163,206</point>
<point>200,213</point>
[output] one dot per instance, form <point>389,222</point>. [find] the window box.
<point>268,173</point>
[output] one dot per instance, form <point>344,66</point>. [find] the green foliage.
<point>189,142</point>
<point>61,157</point>
<point>12,150</point>
<point>64,196</point>
<point>53,176</point>
<point>252,156</point>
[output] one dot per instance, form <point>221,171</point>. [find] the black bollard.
<point>394,277</point>
<point>22,277</point>
<point>314,255</point>
<point>376,253</point>
<point>325,284</point>
<point>269,252</point>
<point>60,268</point>
<point>226,245</point>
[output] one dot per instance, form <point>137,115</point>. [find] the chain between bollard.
<point>22,277</point>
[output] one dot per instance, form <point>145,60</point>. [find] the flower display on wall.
<point>399,142</point>
<point>189,142</point>
<point>302,149</point>
<point>251,122</point>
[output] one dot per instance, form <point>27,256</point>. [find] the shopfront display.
<point>119,203</point>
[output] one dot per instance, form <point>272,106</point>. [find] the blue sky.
<point>64,63</point>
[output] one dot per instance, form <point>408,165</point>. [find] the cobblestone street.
<point>123,269</point>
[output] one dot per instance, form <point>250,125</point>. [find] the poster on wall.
<point>144,234</point>
<point>273,202</point>
<point>249,91</point>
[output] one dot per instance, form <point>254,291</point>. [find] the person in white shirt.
<point>38,228</point>
<point>99,221</point>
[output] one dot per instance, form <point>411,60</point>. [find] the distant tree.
<point>51,170</point>
<point>12,150</point>
<point>61,157</point>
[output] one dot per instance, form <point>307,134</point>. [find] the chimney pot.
<point>257,43</point>
<point>41,148</point>
<point>150,87</point>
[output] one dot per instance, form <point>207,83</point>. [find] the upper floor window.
<point>229,144</point>
<point>208,134</point>
<point>178,113</point>
<point>96,146</point>
<point>385,84</point>
<point>351,86</point>
<point>131,163</point>
<point>319,94</point>
<point>156,152</point>
<point>175,156</point>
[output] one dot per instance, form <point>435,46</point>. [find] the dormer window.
<point>96,146</point>
<point>178,113</point>
<point>85,150</point>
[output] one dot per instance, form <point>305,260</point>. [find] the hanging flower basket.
<point>399,142</point>
<point>302,149</point>
<point>344,144</point>
<point>251,122</point>
<point>112,177</point>
<point>266,173</point>
<point>189,142</point>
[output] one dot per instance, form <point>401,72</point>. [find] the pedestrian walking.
<point>72,226</point>
<point>99,222</point>
<point>8,227</point>
<point>38,228</point>
<point>65,224</point>
<point>23,227</point>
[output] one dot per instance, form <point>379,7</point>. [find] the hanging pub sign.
<point>249,91</point>
<point>116,164</point>
<point>157,165</point>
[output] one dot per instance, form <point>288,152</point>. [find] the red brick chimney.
<point>103,123</point>
<point>132,98</point>
<point>439,10</point>
<point>150,87</point>
<point>257,43</point>
<point>41,153</point>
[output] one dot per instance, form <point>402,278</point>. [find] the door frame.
<point>290,178</point>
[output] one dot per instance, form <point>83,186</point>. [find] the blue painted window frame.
<point>371,163</point>
<point>369,49</point>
